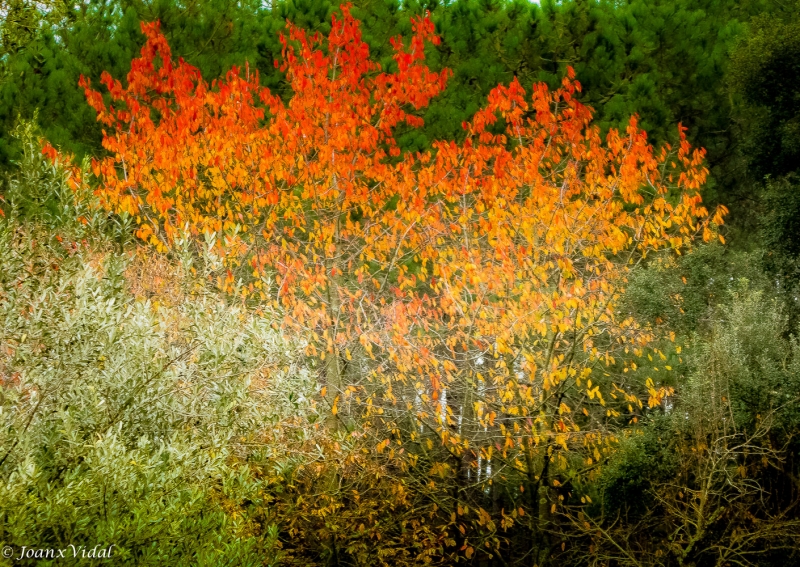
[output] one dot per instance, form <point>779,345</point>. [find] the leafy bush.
<point>124,422</point>
<point>37,190</point>
<point>682,293</point>
<point>754,358</point>
<point>712,480</point>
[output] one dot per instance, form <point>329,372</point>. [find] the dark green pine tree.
<point>661,59</point>
<point>765,85</point>
<point>40,70</point>
<point>765,74</point>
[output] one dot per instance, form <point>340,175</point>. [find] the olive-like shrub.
<point>129,422</point>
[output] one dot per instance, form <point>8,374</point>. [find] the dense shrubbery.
<point>124,423</point>
<point>712,480</point>
<point>129,421</point>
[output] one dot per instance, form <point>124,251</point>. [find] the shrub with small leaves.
<point>128,423</point>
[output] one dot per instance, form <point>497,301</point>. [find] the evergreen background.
<point>726,69</point>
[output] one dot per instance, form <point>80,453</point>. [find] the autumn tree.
<point>459,304</point>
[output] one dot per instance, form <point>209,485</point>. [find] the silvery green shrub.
<point>129,424</point>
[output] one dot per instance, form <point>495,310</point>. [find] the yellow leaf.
<point>334,409</point>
